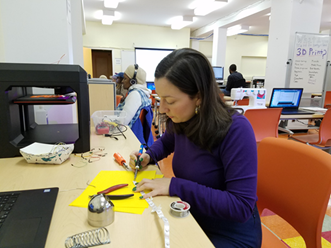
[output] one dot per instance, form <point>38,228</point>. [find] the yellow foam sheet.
<point>106,179</point>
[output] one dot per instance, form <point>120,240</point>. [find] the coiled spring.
<point>89,238</point>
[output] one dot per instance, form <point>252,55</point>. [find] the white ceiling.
<point>159,12</point>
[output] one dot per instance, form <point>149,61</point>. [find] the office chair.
<point>146,117</point>
<point>243,102</point>
<point>118,99</point>
<point>240,83</point>
<point>294,182</point>
<point>327,100</point>
<point>322,139</point>
<point>264,122</point>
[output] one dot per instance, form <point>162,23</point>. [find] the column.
<point>41,31</point>
<point>219,47</point>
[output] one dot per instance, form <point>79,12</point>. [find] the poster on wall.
<point>309,62</point>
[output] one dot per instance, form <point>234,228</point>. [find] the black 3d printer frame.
<point>17,124</point>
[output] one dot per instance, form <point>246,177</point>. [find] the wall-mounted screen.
<point>149,58</point>
<point>219,72</point>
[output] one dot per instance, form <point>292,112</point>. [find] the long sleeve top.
<point>235,80</point>
<point>220,185</point>
<point>133,103</point>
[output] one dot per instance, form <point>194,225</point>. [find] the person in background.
<point>118,78</point>
<point>235,80</point>
<point>137,99</point>
<point>215,154</point>
<point>103,77</point>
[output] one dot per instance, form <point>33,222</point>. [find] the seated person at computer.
<point>137,99</point>
<point>235,80</point>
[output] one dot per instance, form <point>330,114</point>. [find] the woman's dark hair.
<point>191,72</point>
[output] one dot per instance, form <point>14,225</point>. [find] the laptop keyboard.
<point>7,201</point>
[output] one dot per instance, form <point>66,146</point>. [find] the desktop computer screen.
<point>151,85</point>
<point>219,72</point>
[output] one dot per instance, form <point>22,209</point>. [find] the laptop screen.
<point>285,98</point>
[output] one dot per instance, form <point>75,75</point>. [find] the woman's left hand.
<point>158,186</point>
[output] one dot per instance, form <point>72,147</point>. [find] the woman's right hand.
<point>133,157</point>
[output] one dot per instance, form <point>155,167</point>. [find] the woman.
<point>215,155</point>
<point>117,78</point>
<point>137,99</point>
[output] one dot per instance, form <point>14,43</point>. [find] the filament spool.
<point>180,208</point>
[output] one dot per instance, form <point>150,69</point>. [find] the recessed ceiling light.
<point>237,29</point>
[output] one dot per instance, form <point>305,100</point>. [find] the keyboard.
<point>7,201</point>
<point>295,112</point>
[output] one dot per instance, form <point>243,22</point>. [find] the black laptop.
<point>25,217</point>
<point>288,99</point>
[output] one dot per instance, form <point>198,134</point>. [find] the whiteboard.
<point>309,62</point>
<point>149,58</point>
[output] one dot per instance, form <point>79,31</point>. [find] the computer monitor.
<point>218,72</point>
<point>151,85</point>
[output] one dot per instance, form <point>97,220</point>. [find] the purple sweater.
<point>217,185</point>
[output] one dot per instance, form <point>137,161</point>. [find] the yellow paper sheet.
<point>106,179</point>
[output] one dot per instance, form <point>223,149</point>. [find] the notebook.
<point>26,216</point>
<point>288,99</point>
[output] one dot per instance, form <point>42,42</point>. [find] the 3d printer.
<point>17,124</point>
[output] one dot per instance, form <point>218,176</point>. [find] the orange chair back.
<point>244,101</point>
<point>327,100</point>
<point>325,130</point>
<point>264,122</point>
<point>294,182</point>
<point>142,116</point>
<point>118,99</point>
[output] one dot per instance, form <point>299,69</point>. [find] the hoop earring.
<point>197,109</point>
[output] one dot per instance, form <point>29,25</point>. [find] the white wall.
<point>241,46</point>
<point>41,31</point>
<point>249,53</point>
<point>2,45</point>
<point>34,31</point>
<point>117,37</point>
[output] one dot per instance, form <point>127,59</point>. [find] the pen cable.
<point>161,216</point>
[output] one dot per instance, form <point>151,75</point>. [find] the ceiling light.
<point>207,6</point>
<point>111,3</point>
<point>181,21</point>
<point>236,30</point>
<point>108,17</point>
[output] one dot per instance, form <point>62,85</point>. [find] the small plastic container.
<point>108,121</point>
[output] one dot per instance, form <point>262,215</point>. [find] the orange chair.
<point>142,116</point>
<point>321,140</point>
<point>244,101</point>
<point>146,116</point>
<point>294,182</point>
<point>264,122</point>
<point>118,99</point>
<point>327,100</point>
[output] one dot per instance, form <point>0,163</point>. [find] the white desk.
<point>285,118</point>
<point>128,230</point>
